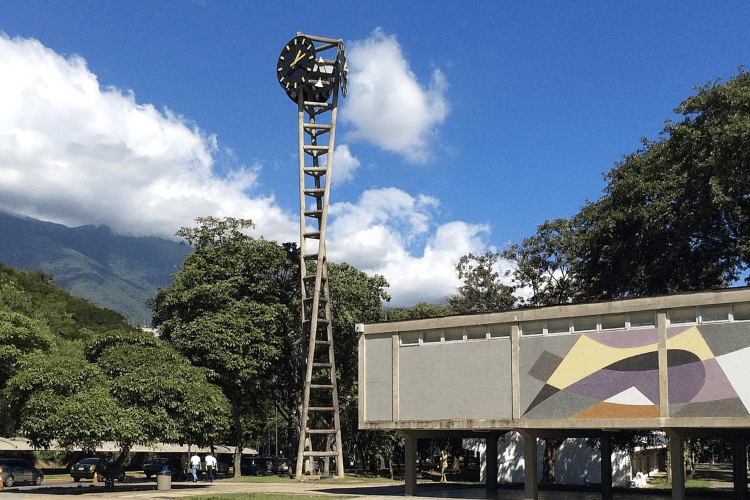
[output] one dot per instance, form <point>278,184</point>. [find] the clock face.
<point>296,61</point>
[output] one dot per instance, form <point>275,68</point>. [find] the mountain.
<point>117,272</point>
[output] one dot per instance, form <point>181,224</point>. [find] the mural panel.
<point>615,374</point>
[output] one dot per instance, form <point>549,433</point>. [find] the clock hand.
<point>297,59</point>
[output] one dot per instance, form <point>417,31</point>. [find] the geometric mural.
<point>615,374</point>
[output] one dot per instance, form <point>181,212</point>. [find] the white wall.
<point>576,462</point>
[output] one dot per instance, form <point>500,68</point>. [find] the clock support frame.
<point>320,424</point>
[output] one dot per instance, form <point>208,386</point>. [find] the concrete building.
<point>678,363</point>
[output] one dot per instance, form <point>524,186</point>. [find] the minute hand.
<point>297,59</point>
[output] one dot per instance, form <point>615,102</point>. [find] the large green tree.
<point>125,386</point>
<point>675,215</point>
<point>227,309</point>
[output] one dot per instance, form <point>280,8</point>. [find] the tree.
<point>543,264</point>
<point>481,290</point>
<point>675,214</point>
<point>226,311</point>
<point>129,388</point>
<point>421,310</point>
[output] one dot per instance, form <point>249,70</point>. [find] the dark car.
<point>159,465</point>
<point>86,468</point>
<point>15,470</point>
<point>251,466</point>
<point>281,466</point>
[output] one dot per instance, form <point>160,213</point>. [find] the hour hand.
<point>297,58</point>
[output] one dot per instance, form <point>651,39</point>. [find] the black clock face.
<point>296,61</point>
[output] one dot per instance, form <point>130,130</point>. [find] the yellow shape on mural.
<point>691,340</point>
<point>589,356</point>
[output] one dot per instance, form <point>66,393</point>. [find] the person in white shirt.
<point>195,463</point>
<point>210,467</point>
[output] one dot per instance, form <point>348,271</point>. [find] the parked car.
<point>281,466</point>
<point>266,465</point>
<point>86,468</point>
<point>250,466</point>
<point>15,470</point>
<point>157,465</point>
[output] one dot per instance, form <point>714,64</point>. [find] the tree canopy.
<point>74,373</point>
<point>674,215</point>
<point>227,309</point>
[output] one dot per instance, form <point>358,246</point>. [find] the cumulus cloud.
<point>393,233</point>
<point>76,153</point>
<point>345,164</point>
<point>386,104</point>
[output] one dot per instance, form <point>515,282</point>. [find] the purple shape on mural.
<point>717,386</point>
<point>604,384</point>
<point>685,381</point>
<point>632,338</point>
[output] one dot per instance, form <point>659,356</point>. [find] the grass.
<point>264,496</point>
<point>326,480</point>
<point>661,483</point>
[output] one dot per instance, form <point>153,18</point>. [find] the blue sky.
<point>466,126</point>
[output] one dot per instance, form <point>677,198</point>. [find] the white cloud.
<point>75,153</point>
<point>387,105</point>
<point>375,236</point>
<point>345,164</point>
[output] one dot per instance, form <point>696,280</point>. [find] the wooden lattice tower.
<point>316,94</point>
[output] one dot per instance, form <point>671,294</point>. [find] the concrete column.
<point>530,476</point>
<point>490,455</point>
<point>739,466</point>
<point>678,465</point>
<point>410,465</point>
<point>606,471</point>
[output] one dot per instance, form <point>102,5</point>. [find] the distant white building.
<point>576,462</point>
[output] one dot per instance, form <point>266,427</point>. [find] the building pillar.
<point>410,465</point>
<point>606,470</point>
<point>530,476</point>
<point>677,454</point>
<point>739,467</point>
<point>490,454</point>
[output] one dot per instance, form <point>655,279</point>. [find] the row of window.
<point>583,324</point>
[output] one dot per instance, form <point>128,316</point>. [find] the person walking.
<point>195,463</point>
<point>210,467</point>
<point>443,465</point>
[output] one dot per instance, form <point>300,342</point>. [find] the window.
<point>613,322</point>
<point>502,330</point>
<point>532,328</point>
<point>409,338</point>
<point>585,324</point>
<point>430,336</point>
<point>453,334</point>
<point>741,312</point>
<point>681,316</point>
<point>714,313</point>
<point>642,319</point>
<point>558,325</point>
<point>476,332</point>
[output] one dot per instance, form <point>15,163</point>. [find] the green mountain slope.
<point>116,272</point>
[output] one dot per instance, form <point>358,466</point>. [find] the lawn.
<point>265,496</point>
<point>661,483</point>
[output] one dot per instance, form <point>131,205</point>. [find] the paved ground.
<point>720,477</point>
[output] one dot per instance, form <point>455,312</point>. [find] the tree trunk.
<point>239,436</point>
<point>549,459</point>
